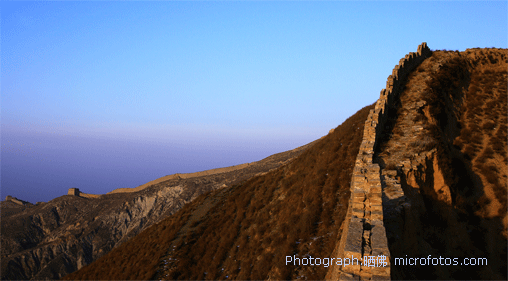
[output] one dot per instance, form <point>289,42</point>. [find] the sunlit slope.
<point>245,232</point>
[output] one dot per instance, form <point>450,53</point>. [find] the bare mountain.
<point>50,240</point>
<point>246,230</point>
<point>420,174</point>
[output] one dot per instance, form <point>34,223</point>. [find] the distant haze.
<point>106,95</point>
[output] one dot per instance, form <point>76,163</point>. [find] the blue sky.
<point>104,95</point>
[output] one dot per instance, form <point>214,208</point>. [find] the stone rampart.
<point>15,200</point>
<point>178,176</point>
<point>363,247</point>
<point>75,192</point>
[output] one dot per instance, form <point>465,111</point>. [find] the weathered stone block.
<point>378,237</point>
<point>383,255</point>
<point>373,179</point>
<point>359,176</point>
<point>394,194</point>
<point>357,169</point>
<point>357,205</point>
<point>391,173</point>
<point>353,246</point>
<point>344,276</point>
<point>375,188</point>
<point>360,186</point>
<point>376,215</point>
<point>380,277</point>
<point>375,199</point>
<point>358,196</point>
<point>389,83</point>
<point>375,192</point>
<point>381,270</point>
<point>359,213</point>
<point>395,72</point>
<point>374,167</point>
<point>376,208</point>
<point>365,270</point>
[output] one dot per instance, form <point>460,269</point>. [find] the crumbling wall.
<point>15,200</point>
<point>76,192</point>
<point>178,176</point>
<point>363,247</point>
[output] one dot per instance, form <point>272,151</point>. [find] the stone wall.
<point>178,176</point>
<point>15,200</point>
<point>75,192</point>
<point>363,242</point>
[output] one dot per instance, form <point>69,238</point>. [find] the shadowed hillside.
<point>446,144</point>
<point>245,232</point>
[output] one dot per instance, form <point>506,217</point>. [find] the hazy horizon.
<point>106,95</point>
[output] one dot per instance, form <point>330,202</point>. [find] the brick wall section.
<point>15,200</point>
<point>75,192</point>
<point>363,233</point>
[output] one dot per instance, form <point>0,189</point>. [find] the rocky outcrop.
<point>363,247</point>
<point>67,233</point>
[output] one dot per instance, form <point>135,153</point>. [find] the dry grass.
<point>472,154</point>
<point>296,209</point>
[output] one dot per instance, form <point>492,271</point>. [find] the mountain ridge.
<point>247,231</point>
<point>51,239</point>
<point>158,250</point>
<point>430,165</point>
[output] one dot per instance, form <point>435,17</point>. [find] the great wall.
<point>180,176</point>
<point>76,192</point>
<point>363,247</point>
<point>16,200</point>
<point>363,242</point>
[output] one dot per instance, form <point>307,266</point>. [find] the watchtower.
<point>73,191</point>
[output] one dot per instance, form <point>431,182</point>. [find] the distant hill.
<point>246,230</point>
<point>50,240</point>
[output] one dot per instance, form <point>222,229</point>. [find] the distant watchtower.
<point>73,191</point>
